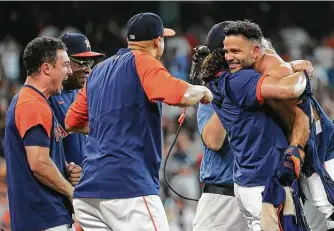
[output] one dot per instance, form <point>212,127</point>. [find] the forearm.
<point>301,130</point>
<point>48,174</point>
<point>214,134</point>
<point>193,95</point>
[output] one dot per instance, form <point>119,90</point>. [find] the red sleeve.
<point>33,113</point>
<point>77,115</point>
<point>258,90</point>
<point>157,82</point>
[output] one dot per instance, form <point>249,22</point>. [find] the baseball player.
<point>82,60</point>
<point>216,209</point>
<point>119,187</point>
<point>39,193</point>
<point>320,147</point>
<point>250,127</point>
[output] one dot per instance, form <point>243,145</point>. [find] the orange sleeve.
<point>158,83</point>
<point>32,113</point>
<point>258,90</point>
<point>77,115</point>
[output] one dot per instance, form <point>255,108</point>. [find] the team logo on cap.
<point>132,36</point>
<point>87,43</point>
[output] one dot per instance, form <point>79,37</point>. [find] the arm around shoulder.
<point>289,87</point>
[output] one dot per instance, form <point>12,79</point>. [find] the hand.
<point>208,97</point>
<point>286,171</point>
<point>289,168</point>
<point>74,173</point>
<point>303,65</point>
<point>294,153</point>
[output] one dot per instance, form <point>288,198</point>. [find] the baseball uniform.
<point>30,122</point>
<point>255,136</point>
<point>124,143</point>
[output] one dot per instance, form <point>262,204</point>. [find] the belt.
<point>223,190</point>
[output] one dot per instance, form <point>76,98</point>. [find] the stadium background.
<point>298,30</point>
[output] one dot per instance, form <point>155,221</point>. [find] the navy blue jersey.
<point>123,151</point>
<point>217,166</point>
<point>74,144</point>
<point>33,206</point>
<point>256,138</point>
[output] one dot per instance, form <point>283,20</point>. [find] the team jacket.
<point>121,102</point>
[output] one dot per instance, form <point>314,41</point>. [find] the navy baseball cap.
<point>78,45</point>
<point>146,26</point>
<point>216,35</point>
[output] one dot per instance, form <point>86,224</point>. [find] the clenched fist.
<point>74,171</point>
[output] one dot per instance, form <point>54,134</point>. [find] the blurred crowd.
<point>107,34</point>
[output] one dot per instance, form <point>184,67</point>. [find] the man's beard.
<point>247,63</point>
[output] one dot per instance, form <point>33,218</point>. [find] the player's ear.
<point>157,42</point>
<point>256,50</point>
<point>46,68</point>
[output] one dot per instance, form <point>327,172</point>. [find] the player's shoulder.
<point>271,61</point>
<point>30,101</point>
<point>145,60</point>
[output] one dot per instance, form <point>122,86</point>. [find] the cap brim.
<point>169,32</point>
<point>88,54</point>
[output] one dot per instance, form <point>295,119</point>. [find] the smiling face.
<point>58,72</point>
<point>81,68</point>
<point>239,52</point>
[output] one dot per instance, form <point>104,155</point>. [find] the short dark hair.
<point>40,50</point>
<point>247,29</point>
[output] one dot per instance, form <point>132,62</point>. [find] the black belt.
<point>223,190</point>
